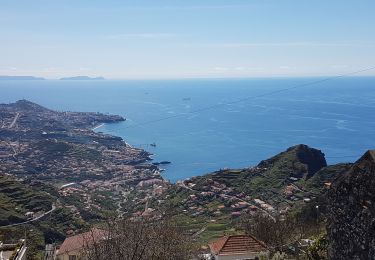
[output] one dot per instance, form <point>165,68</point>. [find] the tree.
<point>275,232</point>
<point>319,249</point>
<point>136,240</point>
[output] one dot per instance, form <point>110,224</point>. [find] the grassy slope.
<point>315,184</point>
<point>16,199</point>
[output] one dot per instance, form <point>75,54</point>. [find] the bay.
<point>202,125</point>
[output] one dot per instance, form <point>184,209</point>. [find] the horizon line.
<point>177,78</point>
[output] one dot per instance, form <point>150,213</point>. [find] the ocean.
<point>202,125</point>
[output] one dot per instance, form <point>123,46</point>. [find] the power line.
<point>196,111</point>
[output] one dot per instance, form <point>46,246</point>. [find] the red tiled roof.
<point>237,244</point>
<point>78,242</point>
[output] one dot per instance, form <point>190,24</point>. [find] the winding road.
<point>32,220</point>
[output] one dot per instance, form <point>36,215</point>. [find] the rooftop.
<point>78,242</point>
<point>237,244</point>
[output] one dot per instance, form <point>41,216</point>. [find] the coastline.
<point>96,127</point>
<point>159,170</point>
<point>101,125</point>
<point>129,145</point>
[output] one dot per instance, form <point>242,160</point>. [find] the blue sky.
<point>190,38</point>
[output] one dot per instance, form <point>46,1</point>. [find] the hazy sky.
<point>187,38</point>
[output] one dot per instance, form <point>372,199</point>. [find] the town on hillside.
<point>69,192</point>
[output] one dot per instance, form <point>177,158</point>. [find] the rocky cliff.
<point>351,218</point>
<point>306,160</point>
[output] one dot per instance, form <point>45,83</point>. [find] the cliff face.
<point>313,158</point>
<point>351,218</point>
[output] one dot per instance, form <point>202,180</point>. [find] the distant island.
<point>20,78</point>
<point>83,78</point>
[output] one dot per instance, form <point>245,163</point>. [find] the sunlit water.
<point>336,117</point>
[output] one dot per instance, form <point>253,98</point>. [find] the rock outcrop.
<point>351,216</point>
<point>305,159</point>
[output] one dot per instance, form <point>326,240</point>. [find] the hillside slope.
<point>214,202</point>
<point>16,199</point>
<point>270,178</point>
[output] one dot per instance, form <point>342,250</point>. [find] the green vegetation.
<point>300,168</point>
<point>206,207</point>
<point>319,249</point>
<point>53,149</point>
<point>85,153</point>
<point>315,184</point>
<point>55,226</point>
<point>16,199</point>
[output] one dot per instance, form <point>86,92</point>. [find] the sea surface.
<point>207,124</point>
